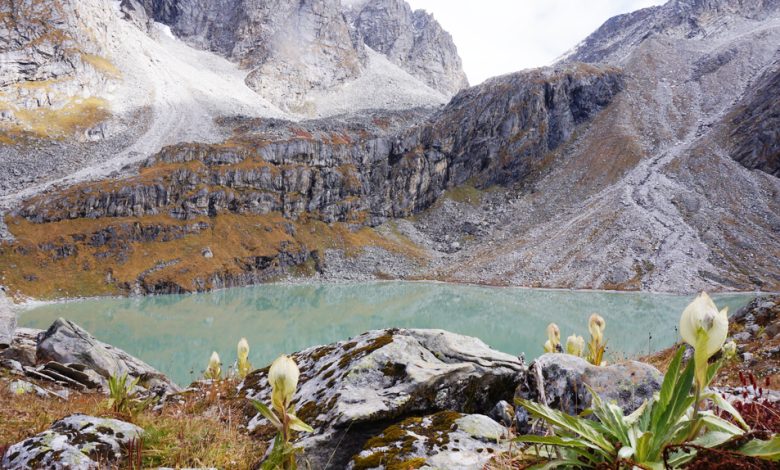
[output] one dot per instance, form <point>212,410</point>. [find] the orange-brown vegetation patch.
<point>86,257</point>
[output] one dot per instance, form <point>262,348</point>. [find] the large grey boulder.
<point>350,390</point>
<point>67,343</point>
<point>559,380</point>
<point>443,441</point>
<point>7,322</point>
<point>76,442</point>
<point>23,347</point>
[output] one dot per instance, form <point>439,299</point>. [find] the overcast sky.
<point>495,37</point>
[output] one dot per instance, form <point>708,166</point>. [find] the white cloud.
<point>495,37</point>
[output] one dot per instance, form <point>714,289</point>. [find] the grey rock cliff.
<point>292,48</point>
<point>411,39</point>
<point>496,133</point>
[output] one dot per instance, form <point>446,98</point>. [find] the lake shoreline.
<point>28,303</point>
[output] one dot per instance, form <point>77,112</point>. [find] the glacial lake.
<point>177,333</point>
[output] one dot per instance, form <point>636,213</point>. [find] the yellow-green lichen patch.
<point>399,446</point>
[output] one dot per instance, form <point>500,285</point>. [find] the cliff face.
<point>290,179</point>
<point>754,129</point>
<point>496,133</point>
<point>412,40</point>
<point>292,48</point>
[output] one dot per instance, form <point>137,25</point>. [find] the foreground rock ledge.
<point>350,391</point>
<point>75,442</point>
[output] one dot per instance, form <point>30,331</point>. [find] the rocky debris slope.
<point>350,390</point>
<point>78,441</point>
<point>647,196</point>
<point>413,40</point>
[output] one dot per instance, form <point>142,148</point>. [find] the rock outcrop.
<point>78,441</point>
<point>754,127</point>
<point>445,440</point>
<point>350,390</point>
<point>294,48</point>
<point>7,322</point>
<point>560,380</point>
<point>67,343</point>
<point>413,40</point>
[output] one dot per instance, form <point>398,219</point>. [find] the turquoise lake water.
<point>177,333</point>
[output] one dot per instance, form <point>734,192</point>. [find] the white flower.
<point>596,325</point>
<point>553,338</point>
<point>243,350</point>
<point>214,369</point>
<point>702,325</point>
<point>283,377</point>
<point>243,365</point>
<point>575,345</point>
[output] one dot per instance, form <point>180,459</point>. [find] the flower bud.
<point>242,352</point>
<point>214,369</point>
<point>554,336</point>
<point>703,326</point>
<point>596,326</point>
<point>283,377</point>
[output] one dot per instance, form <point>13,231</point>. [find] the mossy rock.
<point>445,440</point>
<point>350,391</point>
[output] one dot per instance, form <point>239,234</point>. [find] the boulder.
<point>7,322</point>
<point>559,381</point>
<point>446,440</point>
<point>23,347</point>
<point>78,441</point>
<point>67,343</point>
<point>350,390</point>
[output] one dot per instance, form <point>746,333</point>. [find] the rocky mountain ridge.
<point>654,168</point>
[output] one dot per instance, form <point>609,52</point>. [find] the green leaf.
<point>585,428</point>
<point>552,441</point>
<point>769,450</point>
<point>268,414</point>
<point>715,423</point>
<point>713,439</point>
<point>671,377</point>
<point>724,405</point>
<point>298,425</point>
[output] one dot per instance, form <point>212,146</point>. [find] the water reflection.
<point>177,333</point>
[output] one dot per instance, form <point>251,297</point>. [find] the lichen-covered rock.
<point>22,347</point>
<point>445,441</point>
<point>75,442</point>
<point>7,322</point>
<point>563,379</point>
<point>350,390</point>
<point>67,343</point>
